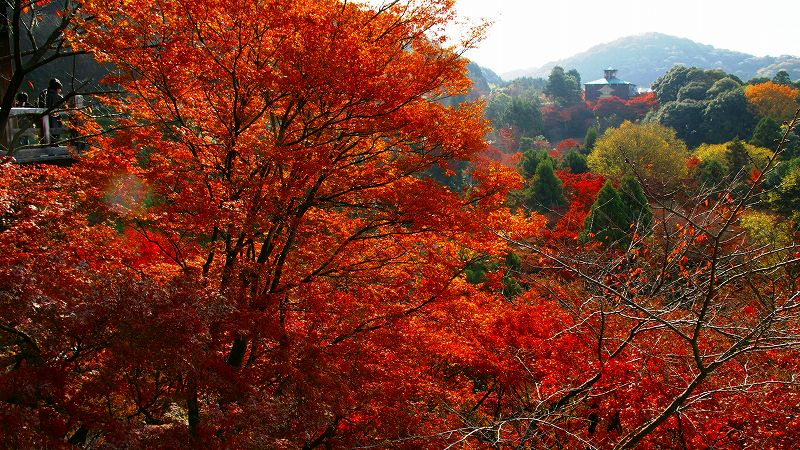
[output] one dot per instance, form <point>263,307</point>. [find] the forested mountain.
<point>641,59</point>
<point>491,76</point>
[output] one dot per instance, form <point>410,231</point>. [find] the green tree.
<point>702,105</point>
<point>563,88</point>
<point>589,140</point>
<point>710,172</point>
<point>723,85</point>
<point>618,213</point>
<point>767,133</point>
<point>525,116</point>
<point>546,190</point>
<point>727,116</point>
<point>525,87</point>
<point>529,161</point>
<point>575,162</point>
<point>526,143</point>
<point>758,80</point>
<point>692,91</point>
<point>498,109</point>
<point>607,217</point>
<point>575,76</point>
<point>754,157</point>
<point>783,184</point>
<point>638,214</point>
<point>726,161</point>
<point>668,86</point>
<point>782,77</point>
<point>737,158</point>
<point>791,149</point>
<point>685,117</point>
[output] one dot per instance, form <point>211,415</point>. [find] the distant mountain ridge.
<point>642,58</point>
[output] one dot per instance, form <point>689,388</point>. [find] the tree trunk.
<point>6,67</point>
<point>192,405</point>
<point>238,349</point>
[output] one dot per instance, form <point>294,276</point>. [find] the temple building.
<point>609,86</point>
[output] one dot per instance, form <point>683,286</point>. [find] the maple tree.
<point>256,257</point>
<point>581,190</point>
<point>774,100</point>
<point>632,110</point>
<point>565,146</point>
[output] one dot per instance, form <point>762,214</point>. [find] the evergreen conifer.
<point>547,189</point>
<point>605,217</point>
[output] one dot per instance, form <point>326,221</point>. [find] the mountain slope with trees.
<point>643,58</point>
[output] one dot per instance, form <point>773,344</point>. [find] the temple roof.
<point>605,81</point>
<point>609,78</point>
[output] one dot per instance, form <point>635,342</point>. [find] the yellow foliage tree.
<point>757,156</point>
<point>767,231</point>
<point>650,151</point>
<point>773,100</point>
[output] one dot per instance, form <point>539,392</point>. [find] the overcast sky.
<point>530,33</point>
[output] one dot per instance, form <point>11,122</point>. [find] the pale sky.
<point>530,33</point>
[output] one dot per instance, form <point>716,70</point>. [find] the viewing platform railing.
<point>29,137</point>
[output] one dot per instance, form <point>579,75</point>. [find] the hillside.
<point>643,58</point>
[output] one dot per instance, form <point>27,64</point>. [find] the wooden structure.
<point>609,86</point>
<point>29,138</point>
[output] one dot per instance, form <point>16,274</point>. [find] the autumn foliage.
<point>581,190</point>
<point>633,109</point>
<point>773,100</point>
<point>258,253</point>
<point>255,257</point>
<point>564,146</point>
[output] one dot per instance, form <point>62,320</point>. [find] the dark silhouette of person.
<point>51,98</point>
<point>21,100</point>
<point>52,95</point>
